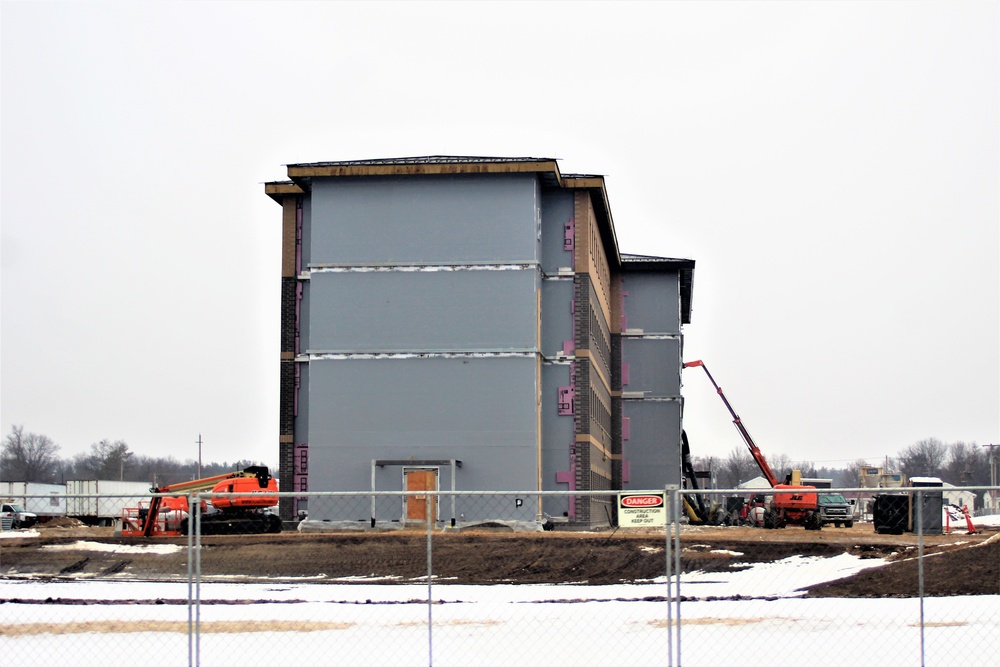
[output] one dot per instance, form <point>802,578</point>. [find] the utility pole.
<point>199,456</point>
<point>993,464</point>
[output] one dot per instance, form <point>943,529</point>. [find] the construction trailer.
<point>101,501</point>
<point>47,501</point>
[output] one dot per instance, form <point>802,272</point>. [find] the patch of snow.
<point>784,578</point>
<point>117,548</point>
<point>26,532</point>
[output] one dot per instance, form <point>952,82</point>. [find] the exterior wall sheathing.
<point>553,321</point>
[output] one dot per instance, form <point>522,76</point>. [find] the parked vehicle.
<point>255,492</point>
<point>19,517</point>
<point>834,508</point>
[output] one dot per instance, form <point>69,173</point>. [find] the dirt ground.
<point>957,564</point>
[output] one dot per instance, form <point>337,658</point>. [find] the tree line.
<point>957,463</point>
<point>32,457</point>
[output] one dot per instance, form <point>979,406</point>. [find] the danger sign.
<point>642,510</point>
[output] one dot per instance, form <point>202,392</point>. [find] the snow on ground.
<point>302,623</point>
<point>21,532</point>
<point>753,614</point>
<point>986,520</point>
<point>83,545</point>
<point>782,578</point>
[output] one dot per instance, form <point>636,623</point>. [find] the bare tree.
<point>28,457</point>
<point>923,458</point>
<point>851,477</point>
<point>807,468</point>
<point>737,467</point>
<point>967,465</point>
<point>107,459</point>
<point>781,465</point>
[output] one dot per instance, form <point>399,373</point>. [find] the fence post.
<point>190,581</point>
<point>197,575</point>
<point>675,520</point>
<point>673,557</point>
<point>431,509</point>
<point>668,555</point>
<point>920,567</point>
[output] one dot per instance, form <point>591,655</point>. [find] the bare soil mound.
<point>960,570</point>
<point>955,564</point>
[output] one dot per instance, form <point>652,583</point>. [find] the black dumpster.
<point>891,513</point>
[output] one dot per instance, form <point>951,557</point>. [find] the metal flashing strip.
<point>640,396</point>
<point>421,267</point>
<point>631,333</point>
<point>417,462</point>
<point>451,354</point>
<point>426,159</point>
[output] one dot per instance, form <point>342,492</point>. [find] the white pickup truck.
<point>17,515</point>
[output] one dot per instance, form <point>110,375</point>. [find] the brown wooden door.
<point>420,507</point>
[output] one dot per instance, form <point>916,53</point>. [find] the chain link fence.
<point>668,577</point>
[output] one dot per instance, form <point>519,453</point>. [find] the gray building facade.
<point>469,323</point>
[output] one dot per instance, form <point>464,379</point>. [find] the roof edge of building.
<point>301,174</point>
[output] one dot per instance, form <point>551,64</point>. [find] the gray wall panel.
<point>557,436</point>
<point>652,450</point>
<point>301,420</point>
<point>653,365</point>
<point>306,231</point>
<point>557,316</point>
<point>478,410</point>
<point>304,318</point>
<point>392,311</point>
<point>653,302</point>
<point>434,219</point>
<point>557,209</point>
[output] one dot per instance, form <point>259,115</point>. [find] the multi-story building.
<point>469,323</point>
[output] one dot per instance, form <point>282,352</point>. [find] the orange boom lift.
<point>792,503</point>
<point>253,491</point>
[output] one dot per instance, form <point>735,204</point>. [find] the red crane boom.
<point>792,502</point>
<point>758,455</point>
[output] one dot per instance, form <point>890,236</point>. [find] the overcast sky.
<point>831,166</point>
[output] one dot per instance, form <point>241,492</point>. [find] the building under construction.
<point>470,323</point>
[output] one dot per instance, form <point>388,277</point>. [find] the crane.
<point>791,503</point>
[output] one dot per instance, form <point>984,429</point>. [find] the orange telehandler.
<point>253,491</point>
<point>792,503</point>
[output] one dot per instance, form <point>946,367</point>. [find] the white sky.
<point>833,168</point>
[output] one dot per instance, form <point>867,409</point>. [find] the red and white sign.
<point>642,501</point>
<point>641,510</point>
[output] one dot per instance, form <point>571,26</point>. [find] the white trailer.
<point>45,500</point>
<point>100,501</point>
